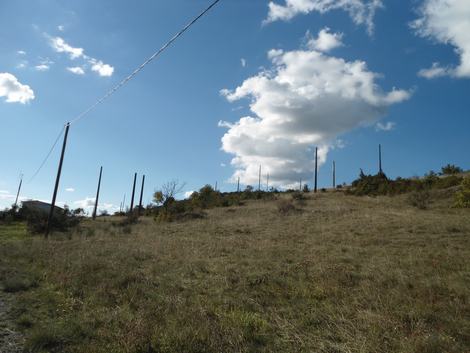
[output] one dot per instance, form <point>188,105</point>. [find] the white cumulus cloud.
<point>13,90</point>
<point>307,99</point>
<point>188,194</point>
<point>361,11</point>
<point>447,22</point>
<point>88,205</point>
<point>77,70</point>
<point>70,190</point>
<point>101,68</point>
<point>326,41</point>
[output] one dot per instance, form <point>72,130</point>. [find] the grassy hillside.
<point>338,274</point>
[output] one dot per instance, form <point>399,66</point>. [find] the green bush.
<point>420,199</point>
<point>462,197</point>
<point>36,220</point>
<point>451,169</point>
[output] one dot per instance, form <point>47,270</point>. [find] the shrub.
<point>297,196</point>
<point>285,207</point>
<point>420,199</point>
<point>462,197</point>
<point>370,184</point>
<point>451,169</point>
<point>36,220</point>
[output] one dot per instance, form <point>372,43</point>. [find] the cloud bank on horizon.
<point>362,12</point>
<point>308,98</point>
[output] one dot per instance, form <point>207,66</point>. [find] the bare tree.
<point>168,192</point>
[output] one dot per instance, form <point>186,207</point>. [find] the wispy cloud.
<point>243,62</point>
<point>98,66</point>
<point>361,11</point>
<point>388,126</point>
<point>77,70</point>
<point>70,190</point>
<point>60,46</point>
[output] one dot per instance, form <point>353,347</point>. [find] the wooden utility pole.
<point>124,204</point>
<point>18,193</point>
<point>300,184</point>
<point>133,194</point>
<point>334,174</point>
<point>380,159</point>
<point>316,170</point>
<point>97,194</point>
<point>57,181</point>
<point>141,194</point>
<point>215,189</point>
<point>267,182</point>
<point>238,185</point>
<point>259,179</point>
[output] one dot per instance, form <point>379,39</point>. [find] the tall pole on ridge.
<point>238,185</point>
<point>380,159</point>
<point>141,194</point>
<point>97,194</point>
<point>133,193</point>
<point>57,180</point>
<point>259,179</point>
<point>334,174</point>
<point>316,170</point>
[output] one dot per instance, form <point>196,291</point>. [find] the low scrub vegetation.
<point>380,184</point>
<point>462,197</point>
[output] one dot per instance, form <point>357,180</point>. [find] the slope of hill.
<point>336,274</point>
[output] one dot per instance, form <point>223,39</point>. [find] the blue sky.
<point>250,84</point>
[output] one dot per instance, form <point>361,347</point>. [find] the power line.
<point>141,67</point>
<point>47,156</point>
<point>123,82</point>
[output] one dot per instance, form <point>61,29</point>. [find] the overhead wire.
<point>141,67</point>
<point>124,81</point>
<point>48,155</point>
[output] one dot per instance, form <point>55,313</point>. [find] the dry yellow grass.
<point>345,274</point>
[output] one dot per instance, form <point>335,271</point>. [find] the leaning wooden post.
<point>141,194</point>
<point>97,194</point>
<point>133,194</point>
<point>238,185</point>
<point>18,193</point>
<point>57,181</point>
